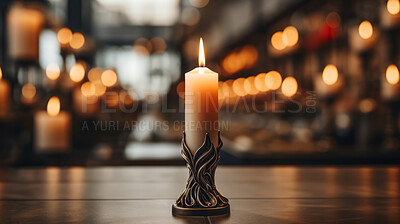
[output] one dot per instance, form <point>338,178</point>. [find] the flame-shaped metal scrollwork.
<point>201,191</point>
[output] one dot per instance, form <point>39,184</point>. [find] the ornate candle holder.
<point>201,197</point>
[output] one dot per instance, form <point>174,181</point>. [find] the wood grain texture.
<point>145,195</point>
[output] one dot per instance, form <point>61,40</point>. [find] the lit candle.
<point>52,128</point>
<point>201,104</point>
<point>389,13</point>
<point>363,36</point>
<point>23,28</point>
<point>329,82</point>
<point>390,86</point>
<point>4,97</point>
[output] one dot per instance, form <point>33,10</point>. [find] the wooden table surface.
<point>145,195</point>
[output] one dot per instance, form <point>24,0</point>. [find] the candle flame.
<point>330,75</point>
<point>1,74</point>
<point>392,74</point>
<point>289,86</point>
<point>53,106</point>
<point>109,78</point>
<point>273,80</point>
<point>365,30</point>
<point>393,7</point>
<point>202,58</point>
<point>77,72</point>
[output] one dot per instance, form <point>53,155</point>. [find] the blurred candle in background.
<point>77,73</point>
<point>363,36</point>
<point>52,128</point>
<point>393,6</point>
<point>201,104</point>
<point>4,97</point>
<point>329,82</point>
<point>289,86</point>
<point>389,14</point>
<point>85,99</point>
<point>390,87</point>
<point>23,29</point>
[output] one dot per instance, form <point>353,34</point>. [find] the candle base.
<point>201,197</point>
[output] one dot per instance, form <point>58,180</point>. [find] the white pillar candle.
<point>52,128</point>
<point>23,28</point>
<point>4,97</point>
<point>201,104</point>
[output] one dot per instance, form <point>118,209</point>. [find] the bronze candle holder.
<point>201,197</point>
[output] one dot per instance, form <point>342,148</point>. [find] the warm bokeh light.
<point>249,86</point>
<point>53,106</point>
<point>94,74</point>
<point>367,105</point>
<point>190,16</point>
<point>289,86</point>
<point>28,91</point>
<point>77,41</point>
<point>259,82</point>
<point>392,74</point>
<point>158,44</point>
<point>240,59</point>
<point>277,41</point>
<point>52,71</point>
<point>99,88</point>
<point>142,41</point>
<point>229,64</point>
<point>77,72</point>
<point>109,78</point>
<point>273,80</point>
<point>88,89</point>
<point>249,56</point>
<point>365,30</point>
<point>199,3</point>
<point>333,19</point>
<point>141,50</point>
<point>112,99</point>
<point>290,36</point>
<point>238,87</point>
<point>330,74</point>
<point>220,92</point>
<point>142,46</point>
<point>202,58</point>
<point>1,74</point>
<point>180,89</point>
<point>126,98</point>
<point>227,88</point>
<point>393,6</point>
<point>64,35</point>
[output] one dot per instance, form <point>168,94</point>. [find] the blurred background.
<point>101,82</point>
